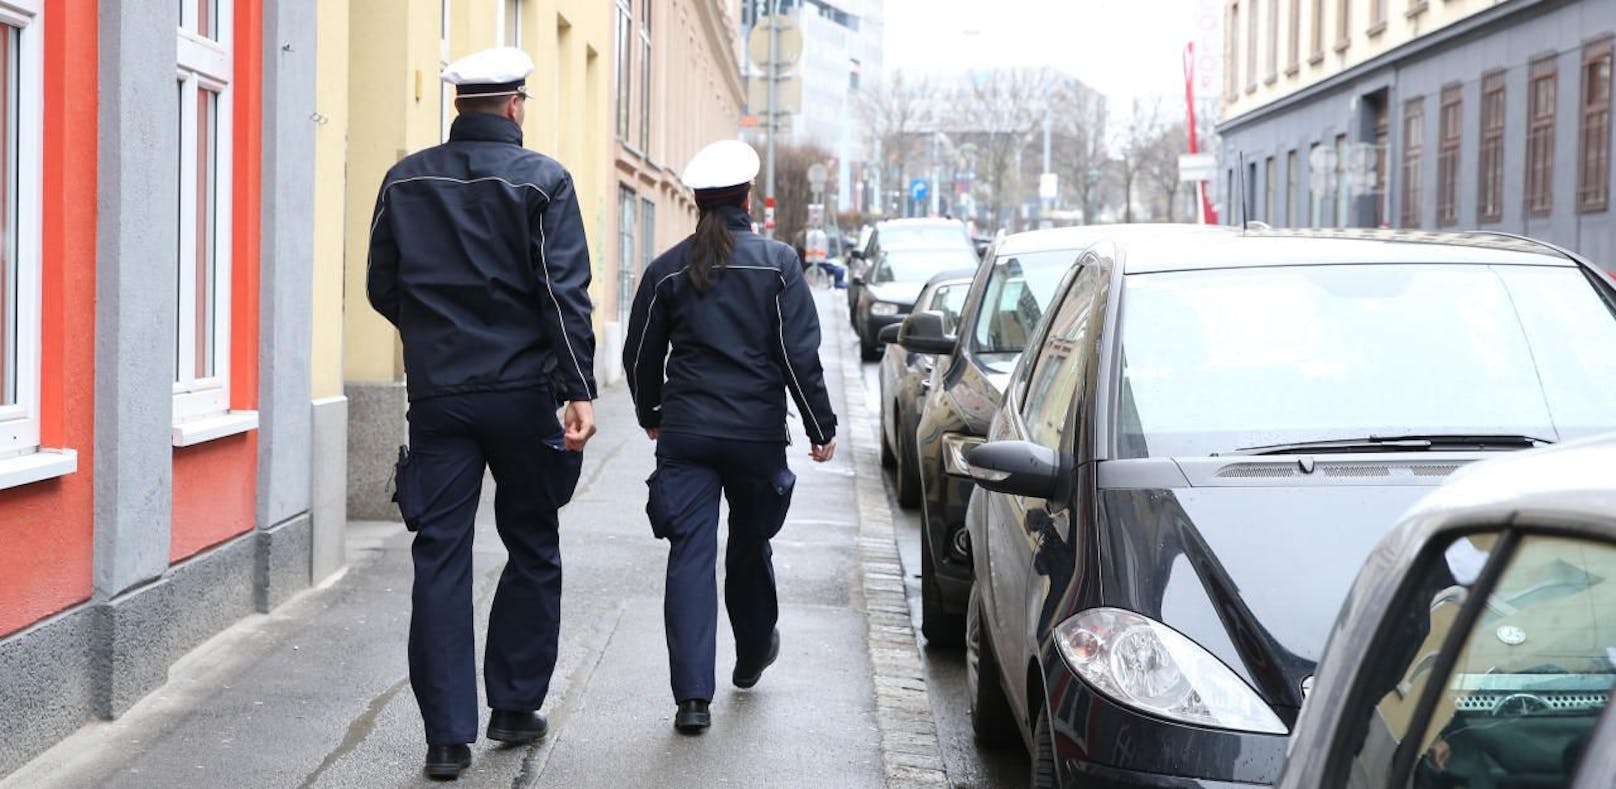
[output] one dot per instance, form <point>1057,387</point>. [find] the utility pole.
<point>774,109</point>
<point>936,175</point>
<point>1049,169</point>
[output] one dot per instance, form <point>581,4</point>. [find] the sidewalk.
<point>316,694</point>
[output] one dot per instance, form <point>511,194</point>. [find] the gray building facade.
<point>1499,122</point>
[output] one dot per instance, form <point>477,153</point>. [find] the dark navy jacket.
<point>731,355</point>
<point>477,255</point>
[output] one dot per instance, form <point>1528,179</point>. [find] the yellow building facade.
<point>380,99</point>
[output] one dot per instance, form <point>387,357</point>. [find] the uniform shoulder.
<point>540,170</point>
<point>671,261</point>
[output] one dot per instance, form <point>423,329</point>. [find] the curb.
<point>910,753</point>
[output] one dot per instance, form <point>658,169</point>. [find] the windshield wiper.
<point>1405,443</point>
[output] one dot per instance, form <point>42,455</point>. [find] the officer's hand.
<point>823,452</point>
<point>580,424</point>
<point>652,433</point>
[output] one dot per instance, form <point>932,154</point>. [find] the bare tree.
<point>1143,127</point>
<point>1159,167</point>
<point>1080,115</point>
<point>894,115</point>
<point>792,191</point>
<point>1005,109</point>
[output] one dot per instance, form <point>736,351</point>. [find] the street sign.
<point>1048,186</point>
<point>817,175</point>
<point>1197,167</point>
<point>768,213</point>
<point>757,44</point>
<point>918,190</point>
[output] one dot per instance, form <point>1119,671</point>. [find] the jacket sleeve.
<point>799,354</point>
<point>381,277</point>
<point>562,257</point>
<point>645,352</point>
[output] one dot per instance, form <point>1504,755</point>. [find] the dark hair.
<point>490,105</point>
<point>713,244</point>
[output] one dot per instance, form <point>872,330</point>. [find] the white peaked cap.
<point>722,164</point>
<point>491,72</point>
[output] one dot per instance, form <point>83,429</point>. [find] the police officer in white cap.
<point>477,255</point>
<point>722,332</point>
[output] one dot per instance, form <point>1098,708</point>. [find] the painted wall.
<point>215,482</point>
<point>330,198</point>
<point>48,527</point>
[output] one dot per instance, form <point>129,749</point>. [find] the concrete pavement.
<point>316,694</point>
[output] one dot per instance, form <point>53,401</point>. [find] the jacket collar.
<point>483,127</point>
<point>737,218</point>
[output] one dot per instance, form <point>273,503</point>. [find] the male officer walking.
<point>477,255</point>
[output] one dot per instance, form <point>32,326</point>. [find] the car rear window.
<point>1216,360</point>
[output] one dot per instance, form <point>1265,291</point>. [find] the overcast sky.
<point>1124,48</point>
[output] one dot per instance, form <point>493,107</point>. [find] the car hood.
<point>897,292</point>
<point>1253,573</point>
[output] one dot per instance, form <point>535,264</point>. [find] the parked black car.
<point>1212,437</point>
<point>918,231</point>
<point>1013,285</point>
<point>888,289</point>
<point>1474,648</point>
<point>904,376</point>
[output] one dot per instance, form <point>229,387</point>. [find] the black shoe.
<point>693,716</point>
<point>517,727</point>
<point>444,762</point>
<point>746,676</point>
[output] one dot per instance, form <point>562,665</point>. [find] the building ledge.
<point>1343,45</point>
<point>1292,70</point>
<point>1415,9</point>
<point>1315,59</point>
<point>37,466</point>
<point>204,429</point>
<point>1376,29</point>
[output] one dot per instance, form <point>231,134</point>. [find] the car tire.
<point>907,476</point>
<point>941,628</point>
<point>1043,773</point>
<point>991,717</point>
<point>889,459</point>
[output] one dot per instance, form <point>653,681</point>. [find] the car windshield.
<point>1215,361</point>
<point>1017,295</point>
<point>911,265</point>
<point>926,233</point>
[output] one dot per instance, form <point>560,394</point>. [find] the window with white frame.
<point>21,134</point>
<point>513,23</point>
<point>202,336</point>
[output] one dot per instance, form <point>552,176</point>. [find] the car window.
<point>1218,360</point>
<point>1057,372</point>
<point>948,299</point>
<point>1018,291</point>
<point>1531,678</point>
<point>919,264</point>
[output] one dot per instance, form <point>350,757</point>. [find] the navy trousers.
<point>517,436</point>
<point>692,472</point>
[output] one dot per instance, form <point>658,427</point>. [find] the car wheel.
<point>889,459</point>
<point>1043,774</point>
<point>942,629</point>
<point>991,717</point>
<point>907,475</point>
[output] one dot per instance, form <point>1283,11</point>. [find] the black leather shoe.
<point>445,762</point>
<point>747,675</point>
<point>517,727</point>
<point>693,716</point>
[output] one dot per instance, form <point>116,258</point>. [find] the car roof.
<point>1081,237</point>
<point>955,275</point>
<point>1232,248</point>
<point>919,220</point>
<point>1563,486</point>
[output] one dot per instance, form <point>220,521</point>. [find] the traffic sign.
<point>1048,186</point>
<point>1197,167</point>
<point>918,190</point>
<point>757,44</point>
<point>817,175</point>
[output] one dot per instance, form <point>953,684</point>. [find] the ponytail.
<point>710,248</point>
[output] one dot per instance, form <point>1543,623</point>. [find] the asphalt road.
<point>968,764</point>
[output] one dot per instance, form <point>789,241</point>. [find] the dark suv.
<point>1007,298</point>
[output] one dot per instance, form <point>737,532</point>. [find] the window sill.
<point>1376,29</point>
<point>1315,59</point>
<point>1342,45</point>
<point>37,467</point>
<point>204,429</point>
<point>1415,10</point>
<point>1270,79</point>
<point>1292,70</point>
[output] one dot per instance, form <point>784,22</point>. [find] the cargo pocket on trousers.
<point>657,508</point>
<point>407,493</point>
<point>783,483</point>
<point>561,479</point>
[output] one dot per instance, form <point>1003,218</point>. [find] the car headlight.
<point>955,447</point>
<point>1146,665</point>
<point>883,308</point>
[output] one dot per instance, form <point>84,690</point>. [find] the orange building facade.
<point>141,509</point>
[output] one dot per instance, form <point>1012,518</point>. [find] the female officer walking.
<point>723,327</point>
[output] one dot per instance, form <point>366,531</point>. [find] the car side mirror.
<point>922,332</point>
<point>888,334</point>
<point>855,254</point>
<point>1019,468</point>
